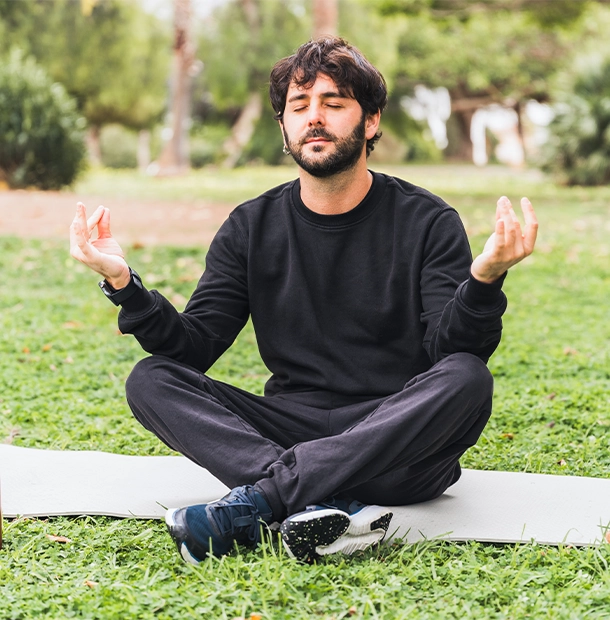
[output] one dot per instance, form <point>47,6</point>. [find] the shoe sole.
<point>367,527</point>
<point>321,532</point>
<point>170,522</point>
<point>304,532</point>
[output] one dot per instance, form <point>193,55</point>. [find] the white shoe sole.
<point>367,527</point>
<point>322,532</point>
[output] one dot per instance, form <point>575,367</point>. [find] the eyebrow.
<point>327,95</point>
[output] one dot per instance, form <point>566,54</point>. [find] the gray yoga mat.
<point>488,506</point>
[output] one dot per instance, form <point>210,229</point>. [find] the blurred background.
<point>164,86</point>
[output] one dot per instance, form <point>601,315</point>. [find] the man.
<point>369,312</point>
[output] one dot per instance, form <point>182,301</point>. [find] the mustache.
<point>317,132</point>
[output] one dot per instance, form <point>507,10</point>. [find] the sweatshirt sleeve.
<point>460,313</point>
<point>216,312</point>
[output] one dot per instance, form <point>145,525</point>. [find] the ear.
<point>372,124</point>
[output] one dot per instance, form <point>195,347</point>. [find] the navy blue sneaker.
<point>334,526</point>
<point>215,527</point>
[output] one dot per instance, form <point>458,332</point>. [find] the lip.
<point>312,140</point>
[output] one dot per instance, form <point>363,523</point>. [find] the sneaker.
<point>335,525</point>
<point>215,527</point>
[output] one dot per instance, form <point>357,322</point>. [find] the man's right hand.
<point>104,255</point>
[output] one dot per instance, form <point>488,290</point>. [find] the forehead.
<point>324,85</point>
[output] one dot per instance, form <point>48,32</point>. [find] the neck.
<point>338,193</point>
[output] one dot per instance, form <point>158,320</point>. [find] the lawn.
<point>63,365</point>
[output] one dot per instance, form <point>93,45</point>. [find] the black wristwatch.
<point>119,296</point>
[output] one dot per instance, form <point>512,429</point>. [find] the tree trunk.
<point>143,152</point>
<point>462,149</point>
<point>94,149</point>
<point>325,17</point>
<point>174,157</point>
<point>243,129</point>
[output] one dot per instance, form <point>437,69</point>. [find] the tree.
<point>113,60</point>
<point>482,52</point>
<point>578,149</point>
<point>240,43</point>
<point>325,17</point>
<point>174,157</point>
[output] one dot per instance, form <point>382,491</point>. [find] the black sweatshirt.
<point>355,304</point>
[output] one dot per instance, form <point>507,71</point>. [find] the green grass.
<point>63,365</point>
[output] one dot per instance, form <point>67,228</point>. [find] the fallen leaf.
<point>551,424</point>
<point>508,436</point>
<point>13,432</point>
<point>59,539</point>
<point>570,351</point>
<point>562,463</point>
<point>551,396</point>
<point>137,245</point>
<point>47,347</point>
<point>255,616</point>
<point>90,583</point>
<point>352,611</point>
<point>607,537</point>
<point>25,350</point>
<point>69,360</point>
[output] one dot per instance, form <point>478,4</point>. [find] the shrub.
<point>578,149</point>
<point>41,132</point>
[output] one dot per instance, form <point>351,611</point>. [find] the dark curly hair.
<point>353,74</point>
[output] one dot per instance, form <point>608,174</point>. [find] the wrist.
<point>119,295</point>
<point>121,281</point>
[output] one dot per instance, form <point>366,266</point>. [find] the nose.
<point>316,115</point>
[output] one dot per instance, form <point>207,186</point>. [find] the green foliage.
<point>115,61</point>
<point>239,50</point>
<point>266,144</point>
<point>63,367</point>
<point>546,14</point>
<point>483,57</point>
<point>41,133</point>
<point>578,150</point>
<point>206,142</point>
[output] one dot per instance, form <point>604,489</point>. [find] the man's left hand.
<point>508,245</point>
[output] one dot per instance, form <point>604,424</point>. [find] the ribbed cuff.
<point>476,293</point>
<point>141,301</point>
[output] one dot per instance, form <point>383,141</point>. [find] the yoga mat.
<point>39,483</point>
<point>488,506</point>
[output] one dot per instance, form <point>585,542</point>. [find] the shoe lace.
<point>237,516</point>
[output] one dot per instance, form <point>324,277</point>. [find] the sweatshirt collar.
<point>349,218</point>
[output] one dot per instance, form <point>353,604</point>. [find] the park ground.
<point>63,366</point>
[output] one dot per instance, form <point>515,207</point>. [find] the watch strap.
<point>117,297</point>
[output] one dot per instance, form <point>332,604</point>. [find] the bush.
<point>206,144</point>
<point>119,147</point>
<point>41,132</point>
<point>578,149</point>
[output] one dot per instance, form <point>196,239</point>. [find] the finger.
<point>103,227</point>
<point>81,213</point>
<point>93,221</point>
<point>531,225</point>
<point>500,236</point>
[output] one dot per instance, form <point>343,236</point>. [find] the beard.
<point>347,152</point>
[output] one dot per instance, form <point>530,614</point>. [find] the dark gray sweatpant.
<point>300,448</point>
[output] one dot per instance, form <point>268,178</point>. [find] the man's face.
<point>325,131</point>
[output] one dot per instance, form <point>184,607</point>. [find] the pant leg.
<point>406,450</point>
<point>235,435</point>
